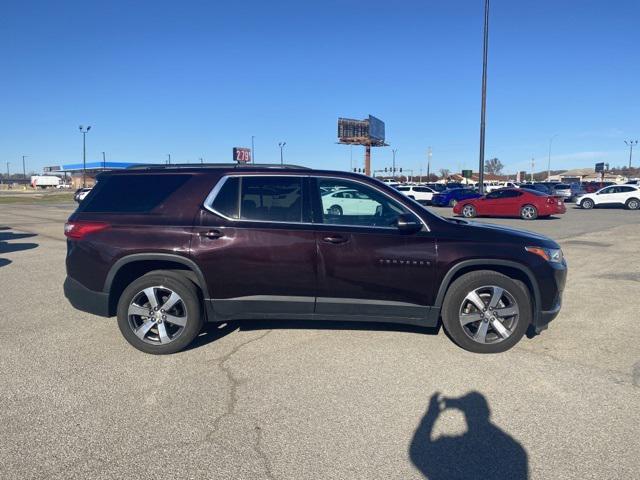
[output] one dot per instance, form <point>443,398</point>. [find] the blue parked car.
<point>451,196</point>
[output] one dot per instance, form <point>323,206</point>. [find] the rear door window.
<point>139,193</point>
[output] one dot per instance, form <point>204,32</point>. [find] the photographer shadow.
<point>483,452</point>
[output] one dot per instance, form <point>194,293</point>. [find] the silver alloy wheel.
<point>468,211</point>
<point>489,314</point>
<point>587,203</point>
<point>633,204</point>
<point>157,315</point>
<point>528,212</point>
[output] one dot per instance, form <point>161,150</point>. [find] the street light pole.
<point>24,169</point>
<point>428,164</point>
<point>631,143</point>
<point>549,159</point>
<point>484,96</point>
<point>253,150</point>
<point>168,159</point>
<point>281,145</point>
<point>84,154</point>
<point>104,161</point>
<point>394,162</point>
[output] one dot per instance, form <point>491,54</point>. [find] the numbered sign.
<point>241,154</point>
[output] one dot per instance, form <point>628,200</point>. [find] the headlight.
<point>553,255</point>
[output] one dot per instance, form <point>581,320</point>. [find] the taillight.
<point>78,230</point>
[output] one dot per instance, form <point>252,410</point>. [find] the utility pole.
<point>281,145</point>
<point>483,109</point>
<point>428,163</point>
<point>394,162</point>
<point>533,163</point>
<point>24,169</point>
<point>549,159</point>
<point>84,132</point>
<point>631,143</point>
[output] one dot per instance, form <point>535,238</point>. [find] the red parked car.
<point>512,202</point>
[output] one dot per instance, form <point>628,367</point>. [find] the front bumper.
<point>86,300</point>
<point>551,288</point>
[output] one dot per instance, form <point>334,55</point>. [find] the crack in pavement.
<point>232,401</point>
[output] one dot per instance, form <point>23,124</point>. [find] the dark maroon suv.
<point>167,249</point>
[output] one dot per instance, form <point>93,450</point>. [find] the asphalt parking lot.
<point>308,401</point>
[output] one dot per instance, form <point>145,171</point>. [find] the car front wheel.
<point>469,211</point>
<point>160,313</point>
<point>486,311</point>
<point>587,204</point>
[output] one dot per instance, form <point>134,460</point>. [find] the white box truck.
<point>45,181</point>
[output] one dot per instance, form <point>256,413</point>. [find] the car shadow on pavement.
<point>334,325</point>
<point>212,332</point>
<point>6,247</point>
<point>484,451</point>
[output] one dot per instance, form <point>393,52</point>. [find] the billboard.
<point>241,154</point>
<point>351,129</point>
<point>362,132</point>
<point>376,128</point>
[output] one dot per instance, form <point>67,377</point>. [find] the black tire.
<point>528,212</point>
<point>455,299</point>
<point>587,204</point>
<point>469,211</point>
<point>335,210</point>
<point>633,204</point>
<point>190,301</point>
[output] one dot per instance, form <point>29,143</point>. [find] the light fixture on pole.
<point>631,143</point>
<point>549,159</point>
<point>84,132</point>
<point>281,145</point>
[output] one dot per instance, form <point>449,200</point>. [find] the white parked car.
<point>499,185</point>
<point>623,195</point>
<point>80,194</point>
<point>348,202</point>
<point>417,192</point>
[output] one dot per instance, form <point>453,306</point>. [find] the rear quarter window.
<point>132,193</point>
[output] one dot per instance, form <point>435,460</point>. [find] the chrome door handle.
<point>212,234</point>
<point>335,239</point>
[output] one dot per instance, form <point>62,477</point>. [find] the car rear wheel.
<point>486,311</point>
<point>469,211</point>
<point>528,212</point>
<point>633,204</point>
<point>160,313</point>
<point>587,204</point>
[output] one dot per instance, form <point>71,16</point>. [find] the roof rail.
<point>148,166</point>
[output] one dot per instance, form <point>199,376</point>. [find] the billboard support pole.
<point>367,160</point>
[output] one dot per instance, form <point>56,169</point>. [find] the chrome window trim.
<point>208,202</point>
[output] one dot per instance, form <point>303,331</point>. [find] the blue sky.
<point>194,79</point>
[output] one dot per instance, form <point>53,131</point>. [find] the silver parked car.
<point>562,190</point>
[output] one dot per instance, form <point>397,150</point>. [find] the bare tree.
<point>444,172</point>
<point>493,166</point>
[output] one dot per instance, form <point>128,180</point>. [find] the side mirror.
<point>408,223</point>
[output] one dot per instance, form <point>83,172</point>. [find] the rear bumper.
<point>86,300</point>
